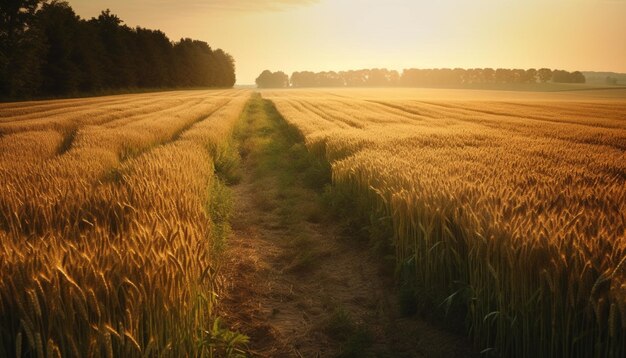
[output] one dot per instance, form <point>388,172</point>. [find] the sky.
<point>324,35</point>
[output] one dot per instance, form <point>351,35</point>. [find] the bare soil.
<point>295,285</point>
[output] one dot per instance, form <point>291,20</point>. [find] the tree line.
<point>416,77</point>
<point>47,50</point>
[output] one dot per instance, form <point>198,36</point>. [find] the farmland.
<point>508,207</point>
<point>108,244</point>
<point>502,211</point>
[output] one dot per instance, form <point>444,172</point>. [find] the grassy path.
<point>295,285</point>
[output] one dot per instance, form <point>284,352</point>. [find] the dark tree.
<point>578,77</point>
<point>268,79</point>
<point>382,77</point>
<point>88,55</point>
<point>530,76</point>
<point>304,79</point>
<point>46,49</point>
<point>610,80</point>
<point>355,78</point>
<point>60,26</point>
<point>330,79</point>
<point>544,74</point>
<point>367,77</point>
<point>155,64</point>
<point>15,17</point>
<point>438,77</point>
<point>20,48</point>
<point>560,76</point>
<point>489,75</point>
<point>471,76</point>
<point>224,66</point>
<point>119,66</point>
<point>192,59</point>
<point>504,75</point>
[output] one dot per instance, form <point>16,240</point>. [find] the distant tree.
<point>611,80</point>
<point>412,77</point>
<point>560,76</point>
<point>377,77</point>
<point>469,76</point>
<point>225,69</point>
<point>265,79</point>
<point>382,77</point>
<point>544,74</point>
<point>365,77</point>
<point>489,75</point>
<point>354,78</point>
<point>513,75</point>
<point>578,77</point>
<point>329,79</point>
<point>393,78</point>
<point>304,79</point>
<point>530,76</point>
<point>504,75</point>
<point>45,48</point>
<point>268,79</point>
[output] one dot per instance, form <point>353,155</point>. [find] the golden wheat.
<point>107,245</point>
<point>515,209</point>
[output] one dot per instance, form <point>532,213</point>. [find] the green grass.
<point>280,149</point>
<point>354,339</point>
<point>287,177</point>
<point>219,207</point>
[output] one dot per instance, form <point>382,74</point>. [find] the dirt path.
<point>296,286</point>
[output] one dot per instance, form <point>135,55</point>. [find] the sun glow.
<point>292,35</point>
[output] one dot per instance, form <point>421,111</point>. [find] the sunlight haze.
<point>294,35</point>
<point>313,178</point>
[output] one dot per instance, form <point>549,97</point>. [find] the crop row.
<point>512,214</point>
<point>110,247</point>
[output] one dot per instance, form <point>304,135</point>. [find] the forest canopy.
<point>269,79</point>
<point>48,50</point>
<point>379,77</point>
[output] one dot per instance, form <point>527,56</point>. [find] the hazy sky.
<point>293,35</point>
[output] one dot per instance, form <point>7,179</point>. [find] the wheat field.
<point>109,223</point>
<point>506,209</point>
<point>509,206</point>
